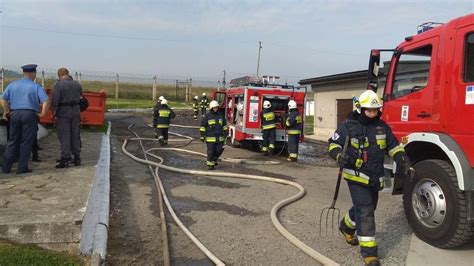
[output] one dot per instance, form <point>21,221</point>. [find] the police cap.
<point>29,68</point>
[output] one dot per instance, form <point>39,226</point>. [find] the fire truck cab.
<point>429,103</point>
<point>243,103</point>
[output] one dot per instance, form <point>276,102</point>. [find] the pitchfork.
<point>332,210</point>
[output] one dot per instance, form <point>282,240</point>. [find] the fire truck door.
<point>409,106</point>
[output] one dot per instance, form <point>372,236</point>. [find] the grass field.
<point>14,254</point>
<point>126,104</point>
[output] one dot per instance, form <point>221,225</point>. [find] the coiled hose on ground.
<point>274,212</point>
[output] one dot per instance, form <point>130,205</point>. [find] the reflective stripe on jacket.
<point>294,122</point>
<point>268,119</point>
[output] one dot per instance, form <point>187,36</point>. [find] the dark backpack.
<point>83,103</point>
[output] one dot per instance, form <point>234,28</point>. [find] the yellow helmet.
<point>213,104</point>
<point>369,99</point>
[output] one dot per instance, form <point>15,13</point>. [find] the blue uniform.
<point>24,94</point>
<point>23,97</point>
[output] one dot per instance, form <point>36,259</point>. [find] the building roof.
<point>360,74</point>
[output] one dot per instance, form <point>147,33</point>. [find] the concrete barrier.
<point>95,225</point>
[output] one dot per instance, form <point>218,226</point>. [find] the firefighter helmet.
<point>196,97</point>
<point>213,104</point>
<point>370,99</point>
<point>203,94</point>
<point>291,104</point>
<point>267,104</point>
<point>161,98</point>
<point>164,101</point>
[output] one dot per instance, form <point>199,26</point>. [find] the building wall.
<point>325,99</point>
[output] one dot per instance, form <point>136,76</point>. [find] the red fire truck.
<point>243,102</point>
<point>429,103</point>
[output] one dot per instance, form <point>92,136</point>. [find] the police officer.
<point>20,102</point>
<point>213,131</point>
<point>196,107</point>
<point>65,104</point>
<point>161,121</point>
<point>293,129</point>
<point>268,128</point>
<point>368,138</point>
<point>204,103</point>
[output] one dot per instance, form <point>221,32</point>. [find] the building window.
<point>469,58</point>
<point>412,72</point>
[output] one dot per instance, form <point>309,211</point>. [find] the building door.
<point>344,107</point>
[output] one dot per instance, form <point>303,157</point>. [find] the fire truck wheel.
<point>435,207</point>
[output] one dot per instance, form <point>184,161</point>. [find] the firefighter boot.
<point>63,163</point>
<point>210,167</point>
<point>371,261</point>
<point>77,160</point>
<point>161,140</point>
<point>350,239</point>
<point>156,136</point>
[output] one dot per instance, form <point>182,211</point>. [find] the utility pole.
<point>223,81</point>
<point>258,60</point>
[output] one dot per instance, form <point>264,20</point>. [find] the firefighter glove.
<point>342,160</point>
<point>403,163</point>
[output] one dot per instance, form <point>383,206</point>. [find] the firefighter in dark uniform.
<point>293,129</point>
<point>196,107</point>
<point>20,102</point>
<point>369,139</point>
<point>268,128</point>
<point>65,104</point>
<point>161,121</point>
<point>204,103</point>
<point>213,131</point>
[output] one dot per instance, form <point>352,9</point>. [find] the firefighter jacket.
<point>213,127</point>
<point>204,102</point>
<point>268,119</point>
<point>293,122</point>
<point>162,116</point>
<point>195,105</point>
<point>368,142</point>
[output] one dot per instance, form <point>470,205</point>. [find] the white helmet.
<point>267,104</point>
<point>196,97</point>
<point>213,104</point>
<point>164,101</point>
<point>370,99</point>
<point>161,98</point>
<point>203,94</point>
<point>291,104</point>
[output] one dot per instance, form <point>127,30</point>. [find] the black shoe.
<point>77,160</point>
<point>36,159</point>
<point>19,172</point>
<point>63,163</point>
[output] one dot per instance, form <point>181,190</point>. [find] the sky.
<point>199,39</point>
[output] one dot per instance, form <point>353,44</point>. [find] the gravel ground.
<point>232,216</point>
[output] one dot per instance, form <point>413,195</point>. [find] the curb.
<point>95,225</point>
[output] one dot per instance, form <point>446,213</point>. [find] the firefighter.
<point>293,129</point>
<point>268,128</point>
<point>369,138</point>
<point>196,107</point>
<point>161,121</point>
<point>204,103</point>
<point>213,131</point>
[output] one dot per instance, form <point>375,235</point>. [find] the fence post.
<point>176,98</point>
<point>3,77</point>
<point>116,86</point>
<point>187,91</point>
<point>80,78</point>
<point>155,81</point>
<point>190,86</point>
<point>76,76</point>
<point>42,78</point>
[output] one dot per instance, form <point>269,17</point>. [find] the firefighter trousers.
<point>196,113</point>
<point>268,139</point>
<point>293,140</point>
<point>214,150</point>
<point>361,217</point>
<point>203,111</point>
<point>162,133</point>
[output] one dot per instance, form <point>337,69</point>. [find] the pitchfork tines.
<point>331,210</point>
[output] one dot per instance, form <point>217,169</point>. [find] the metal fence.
<point>124,86</point>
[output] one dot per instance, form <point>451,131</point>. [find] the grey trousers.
<point>69,136</point>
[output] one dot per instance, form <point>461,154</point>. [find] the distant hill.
<point>11,74</point>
